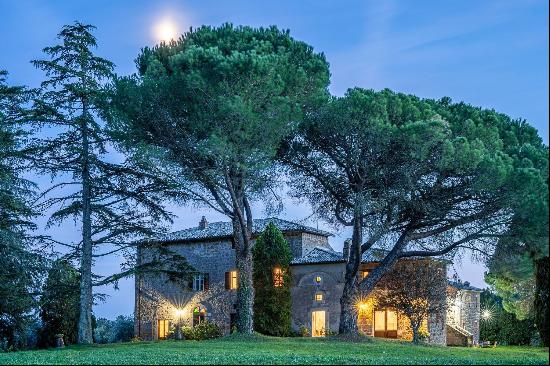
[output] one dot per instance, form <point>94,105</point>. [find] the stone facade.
<point>463,313</point>
<point>305,288</point>
<point>317,276</point>
<point>157,299</point>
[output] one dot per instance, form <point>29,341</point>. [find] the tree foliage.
<point>215,104</point>
<point>112,331</point>
<point>272,304</point>
<point>420,177</point>
<point>417,289</point>
<point>60,304</point>
<point>116,202</point>
<point>502,326</point>
<point>20,265</point>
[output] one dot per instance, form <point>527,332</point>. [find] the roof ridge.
<point>330,250</point>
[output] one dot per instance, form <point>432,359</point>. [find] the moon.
<point>166,30</point>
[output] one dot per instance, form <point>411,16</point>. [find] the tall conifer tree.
<point>116,203</point>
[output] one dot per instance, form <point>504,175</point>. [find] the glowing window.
<point>318,279</point>
<point>163,328</point>
<point>319,296</point>
<point>278,277</point>
<point>233,280</point>
<point>199,315</point>
<point>363,274</point>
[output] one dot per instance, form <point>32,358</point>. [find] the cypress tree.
<point>272,304</point>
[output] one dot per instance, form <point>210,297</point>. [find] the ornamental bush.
<point>202,331</point>
<point>272,303</point>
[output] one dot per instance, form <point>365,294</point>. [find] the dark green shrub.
<point>112,331</point>
<point>272,304</point>
<point>502,326</point>
<point>59,304</point>
<point>202,331</point>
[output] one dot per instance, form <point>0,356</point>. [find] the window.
<point>199,315</point>
<point>278,277</point>
<point>200,282</point>
<point>231,280</point>
<point>163,328</point>
<point>318,296</point>
<point>318,279</point>
<point>363,274</point>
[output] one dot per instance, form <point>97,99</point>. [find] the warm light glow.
<point>179,312</point>
<point>486,314</point>
<point>166,30</point>
<point>365,305</point>
<point>278,280</point>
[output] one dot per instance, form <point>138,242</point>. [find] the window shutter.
<point>206,282</point>
<point>227,280</point>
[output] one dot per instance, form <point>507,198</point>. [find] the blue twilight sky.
<point>488,53</point>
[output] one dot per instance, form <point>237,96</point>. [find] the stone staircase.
<point>458,336</point>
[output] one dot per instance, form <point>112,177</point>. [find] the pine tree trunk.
<point>348,306</point>
<point>86,297</point>
<point>245,290</point>
<point>348,314</point>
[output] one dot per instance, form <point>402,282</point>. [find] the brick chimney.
<point>203,224</point>
<point>345,251</point>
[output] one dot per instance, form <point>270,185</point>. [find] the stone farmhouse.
<point>317,273</point>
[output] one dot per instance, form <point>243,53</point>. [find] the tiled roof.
<point>325,255</point>
<point>223,229</point>
<point>464,286</point>
<point>319,255</point>
<point>373,255</point>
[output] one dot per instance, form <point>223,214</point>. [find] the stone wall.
<point>310,241</point>
<point>464,310</point>
<point>157,298</point>
<point>303,290</point>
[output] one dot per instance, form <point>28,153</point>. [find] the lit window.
<point>199,315</point>
<point>319,296</point>
<point>318,279</point>
<point>233,280</point>
<point>278,277</point>
<point>198,282</point>
<point>163,328</point>
<point>363,274</point>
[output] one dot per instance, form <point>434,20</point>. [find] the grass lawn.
<point>267,350</point>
